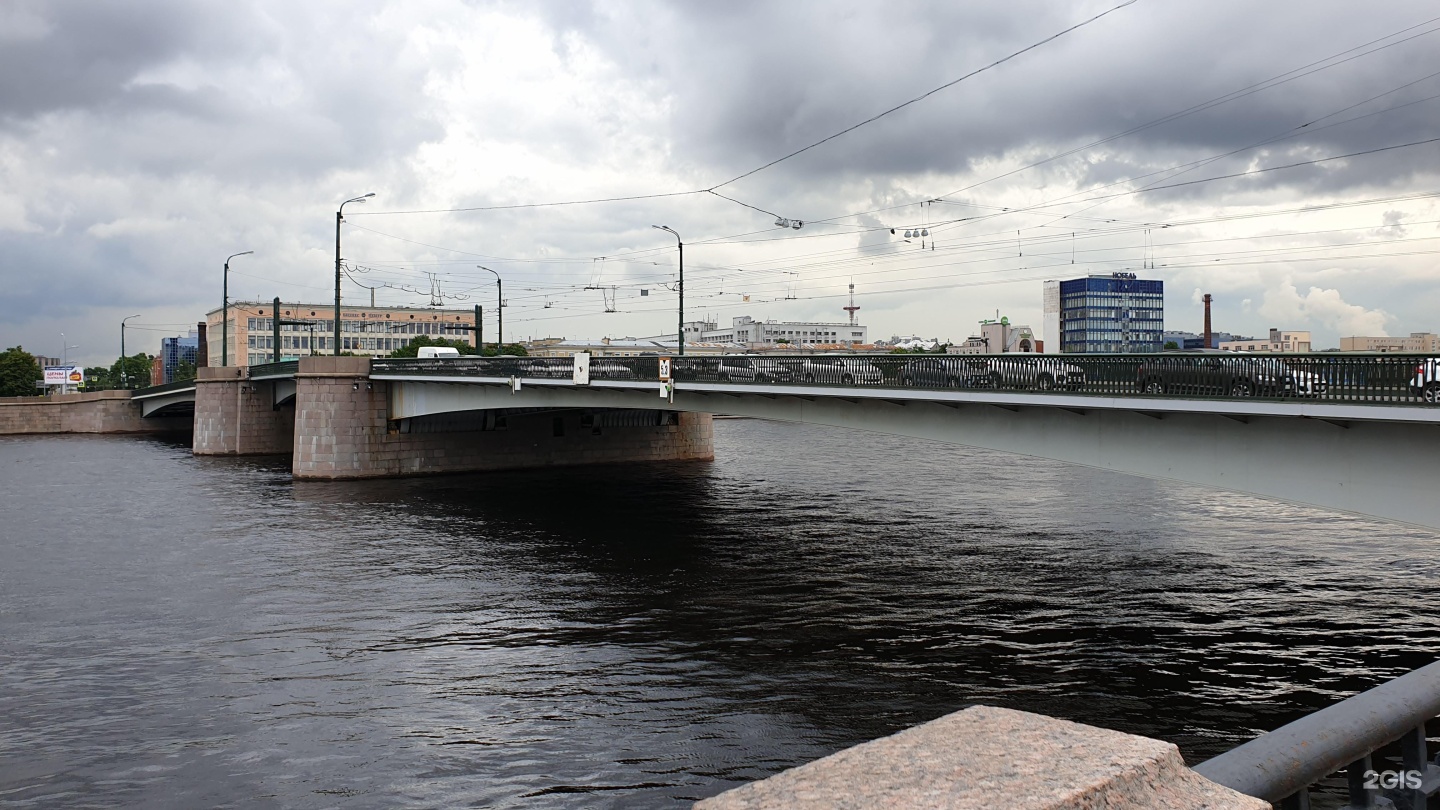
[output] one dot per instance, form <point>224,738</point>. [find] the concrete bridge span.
<point>1375,460</point>
<point>1369,445</point>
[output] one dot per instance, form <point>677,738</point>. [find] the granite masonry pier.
<point>235,416</point>
<point>86,412</point>
<point>343,429</point>
<point>984,758</point>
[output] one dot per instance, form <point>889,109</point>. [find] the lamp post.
<point>124,378</point>
<point>680,330</point>
<point>340,217</point>
<point>225,312</point>
<point>499,309</point>
<point>65,348</point>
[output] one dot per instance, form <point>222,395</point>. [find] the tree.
<point>412,348</point>
<point>184,371</point>
<point>1170,344</point>
<point>136,371</point>
<point>18,373</point>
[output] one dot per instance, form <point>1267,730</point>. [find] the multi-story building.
<point>1417,342</point>
<point>1278,341</point>
<point>999,337</point>
<point>177,350</point>
<point>747,331</point>
<point>1106,314</point>
<point>1190,340</point>
<point>366,331</point>
<point>618,347</point>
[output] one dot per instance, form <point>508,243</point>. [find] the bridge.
<point>1357,433</point>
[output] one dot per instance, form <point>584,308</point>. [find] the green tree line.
<point>412,348</point>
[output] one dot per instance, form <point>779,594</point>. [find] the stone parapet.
<point>327,366</point>
<point>84,412</point>
<point>984,757</point>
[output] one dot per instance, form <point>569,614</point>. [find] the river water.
<point>186,632</point>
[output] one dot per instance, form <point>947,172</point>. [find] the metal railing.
<point>1391,379</point>
<point>163,388</point>
<point>284,368</point>
<point>1282,765</point>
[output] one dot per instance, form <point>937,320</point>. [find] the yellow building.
<point>1417,342</point>
<point>1279,341</point>
<point>366,331</point>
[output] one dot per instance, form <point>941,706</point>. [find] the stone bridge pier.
<point>343,429</point>
<point>235,416</point>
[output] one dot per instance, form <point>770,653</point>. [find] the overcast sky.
<point>143,142</point>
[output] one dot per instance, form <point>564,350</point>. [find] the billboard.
<point>64,375</point>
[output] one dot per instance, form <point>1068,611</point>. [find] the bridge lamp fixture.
<point>124,378</point>
<point>224,314</point>
<point>340,217</point>
<point>680,288</point>
<point>499,308</point>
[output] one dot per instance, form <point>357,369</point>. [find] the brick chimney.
<point>1209,336</point>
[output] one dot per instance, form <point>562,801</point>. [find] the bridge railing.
<point>1282,766</point>
<point>163,388</point>
<point>284,368</point>
<point>1331,377</point>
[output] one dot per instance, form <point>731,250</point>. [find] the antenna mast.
<point>852,309</point>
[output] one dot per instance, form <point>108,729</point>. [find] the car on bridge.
<point>1426,384</point>
<point>545,368</point>
<point>1040,373</point>
<point>940,372</point>
<point>837,369</point>
<point>734,368</point>
<point>1216,372</point>
<point>610,370</point>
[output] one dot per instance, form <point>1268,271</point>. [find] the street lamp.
<point>680,332</point>
<point>499,309</point>
<point>65,348</point>
<point>340,217</point>
<point>124,378</point>
<point>225,313</point>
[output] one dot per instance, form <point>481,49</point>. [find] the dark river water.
<point>181,632</point>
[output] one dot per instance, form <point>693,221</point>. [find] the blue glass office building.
<point>177,350</point>
<point>1112,314</point>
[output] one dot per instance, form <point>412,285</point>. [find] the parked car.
<point>544,369</point>
<point>752,369</point>
<point>610,370</point>
<point>1042,373</point>
<point>934,372</point>
<point>1221,373</point>
<point>838,369</point>
<point>1426,383</point>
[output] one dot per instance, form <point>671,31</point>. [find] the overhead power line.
<point>872,119</point>
<point>781,159</point>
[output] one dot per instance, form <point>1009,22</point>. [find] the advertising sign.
<point>64,375</point>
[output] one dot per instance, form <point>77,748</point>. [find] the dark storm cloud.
<point>173,87</point>
<point>750,82</point>
<point>82,55</point>
<point>139,141</point>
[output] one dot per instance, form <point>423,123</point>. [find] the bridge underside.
<point>180,403</point>
<point>1384,469</point>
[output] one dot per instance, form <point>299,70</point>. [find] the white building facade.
<point>747,331</point>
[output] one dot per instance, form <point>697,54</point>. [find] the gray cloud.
<point>140,143</point>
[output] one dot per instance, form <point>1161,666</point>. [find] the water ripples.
<point>177,632</point>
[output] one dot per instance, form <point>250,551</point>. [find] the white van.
<point>438,351</point>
